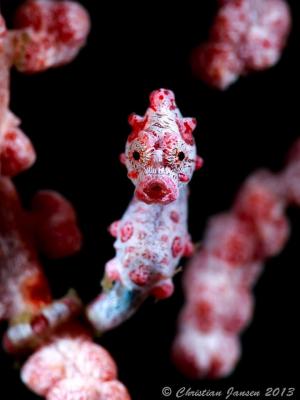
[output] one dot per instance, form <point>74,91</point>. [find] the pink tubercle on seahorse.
<point>152,235</point>
<point>151,239</point>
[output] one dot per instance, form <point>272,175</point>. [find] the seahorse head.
<point>160,152</point>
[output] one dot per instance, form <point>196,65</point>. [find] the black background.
<point>76,116</point>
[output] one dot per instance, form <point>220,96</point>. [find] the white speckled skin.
<point>152,235</point>
<point>160,151</point>
<point>151,239</point>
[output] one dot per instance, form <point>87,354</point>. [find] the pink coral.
<point>247,35</point>
<point>51,226</point>
<point>219,279</point>
<point>24,291</point>
<point>66,364</point>
<point>70,366</point>
<point>48,34</point>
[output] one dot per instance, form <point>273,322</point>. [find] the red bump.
<point>199,162</point>
<point>126,231</point>
<point>140,275</point>
<point>163,291</point>
<point>122,158</point>
<point>183,178</point>
<point>31,14</point>
<point>174,215</point>
<point>133,174</point>
<point>177,247</point>
<point>113,228</point>
<point>164,238</point>
<point>39,324</point>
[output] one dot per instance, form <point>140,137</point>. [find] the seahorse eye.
<point>181,156</point>
<point>136,155</point>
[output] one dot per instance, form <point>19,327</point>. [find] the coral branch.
<point>70,366</point>
<point>24,292</point>
<point>66,364</point>
<point>219,278</point>
<point>48,34</point>
<point>247,35</point>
